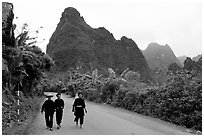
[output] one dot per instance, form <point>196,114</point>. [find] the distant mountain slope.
<point>159,56</point>
<point>76,44</point>
<point>196,58</point>
<point>182,59</point>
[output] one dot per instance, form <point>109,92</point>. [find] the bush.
<point>179,101</point>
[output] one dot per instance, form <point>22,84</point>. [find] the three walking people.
<point>50,106</point>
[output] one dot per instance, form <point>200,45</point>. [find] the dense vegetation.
<point>179,100</point>
<point>23,68</point>
<point>24,71</point>
<point>24,63</point>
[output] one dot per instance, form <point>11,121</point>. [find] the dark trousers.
<point>81,119</point>
<point>49,119</point>
<point>59,113</point>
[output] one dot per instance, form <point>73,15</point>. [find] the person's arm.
<point>73,106</point>
<point>84,106</point>
<point>54,106</point>
<point>85,110</point>
<point>43,107</point>
<point>62,104</point>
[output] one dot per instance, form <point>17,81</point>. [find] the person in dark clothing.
<point>49,108</point>
<point>59,106</point>
<point>78,109</point>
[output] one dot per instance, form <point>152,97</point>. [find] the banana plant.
<point>114,79</point>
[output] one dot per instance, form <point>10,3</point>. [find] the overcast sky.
<point>176,23</point>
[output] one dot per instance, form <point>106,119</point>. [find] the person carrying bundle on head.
<point>49,108</point>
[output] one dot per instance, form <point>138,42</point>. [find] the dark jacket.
<point>59,104</point>
<point>48,106</point>
<point>79,106</point>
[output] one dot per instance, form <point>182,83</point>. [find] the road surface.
<point>104,120</point>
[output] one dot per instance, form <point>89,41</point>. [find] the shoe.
<point>51,129</point>
<point>80,126</point>
<point>47,128</point>
<point>58,126</point>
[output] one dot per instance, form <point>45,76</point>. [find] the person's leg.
<point>76,120</point>
<point>57,117</point>
<point>81,121</point>
<point>51,120</point>
<point>47,120</point>
<point>60,117</point>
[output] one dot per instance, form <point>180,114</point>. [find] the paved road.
<point>104,120</point>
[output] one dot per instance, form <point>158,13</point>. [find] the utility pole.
<point>18,93</point>
<point>18,101</point>
<point>18,104</point>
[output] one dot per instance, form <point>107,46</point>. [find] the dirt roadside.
<point>21,127</point>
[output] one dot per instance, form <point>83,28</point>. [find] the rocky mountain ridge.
<point>76,44</point>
